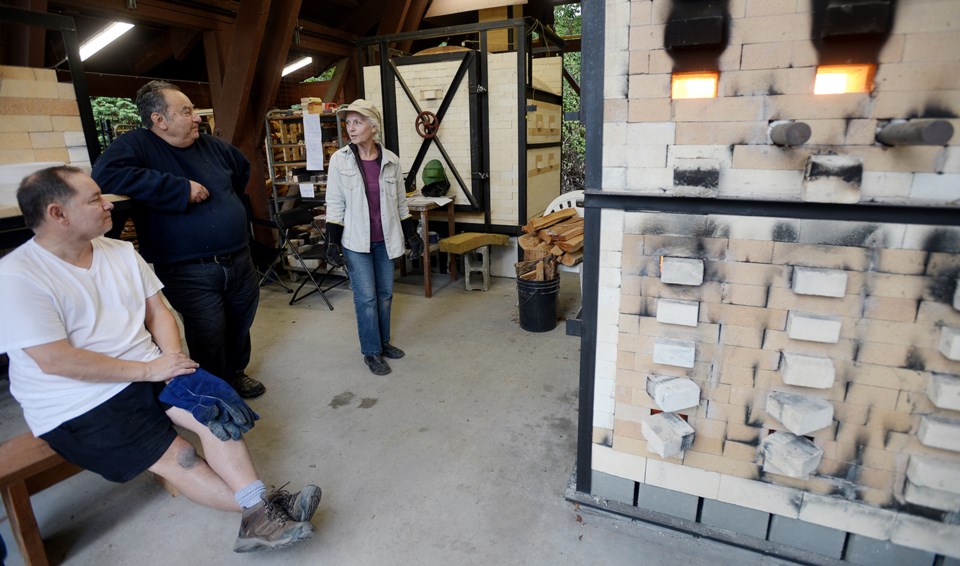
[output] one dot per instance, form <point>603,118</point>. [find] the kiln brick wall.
<point>861,319</point>
<point>39,118</point>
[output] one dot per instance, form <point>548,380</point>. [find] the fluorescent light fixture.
<point>694,85</point>
<point>296,65</point>
<point>841,79</point>
<point>103,38</point>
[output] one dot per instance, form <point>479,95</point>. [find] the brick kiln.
<point>772,336</point>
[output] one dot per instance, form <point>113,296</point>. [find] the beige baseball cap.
<point>364,107</point>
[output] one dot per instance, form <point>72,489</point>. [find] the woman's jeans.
<point>218,302</point>
<point>371,278</point>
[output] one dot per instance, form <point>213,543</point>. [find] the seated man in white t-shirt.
<point>91,345</point>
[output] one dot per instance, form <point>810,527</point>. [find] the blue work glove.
<point>212,402</point>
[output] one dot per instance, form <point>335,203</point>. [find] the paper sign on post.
<point>313,139</point>
<point>306,190</point>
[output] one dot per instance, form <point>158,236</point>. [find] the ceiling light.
<point>296,65</point>
<point>103,38</point>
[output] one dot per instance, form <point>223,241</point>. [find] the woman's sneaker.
<point>390,351</point>
<point>267,526</point>
<point>376,365</point>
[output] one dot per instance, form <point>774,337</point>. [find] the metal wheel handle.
<point>427,124</point>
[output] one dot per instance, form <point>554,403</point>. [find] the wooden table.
<point>424,206</point>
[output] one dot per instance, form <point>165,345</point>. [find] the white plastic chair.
<point>572,199</point>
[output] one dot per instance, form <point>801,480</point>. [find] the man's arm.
<point>60,358</point>
<point>162,326</point>
<point>123,170</point>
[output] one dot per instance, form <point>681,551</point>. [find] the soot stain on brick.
<point>942,288</point>
<point>933,111</point>
<point>706,178</point>
<point>914,360</point>
<point>713,229</point>
<point>367,402</point>
<point>653,228</point>
<point>858,236</point>
<point>851,174</point>
<point>941,240</point>
<point>341,400</point>
<point>773,91</point>
<point>784,232</point>
<point>856,348</point>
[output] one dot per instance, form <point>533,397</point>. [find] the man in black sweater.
<point>192,225</point>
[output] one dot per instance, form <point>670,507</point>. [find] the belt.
<point>222,259</point>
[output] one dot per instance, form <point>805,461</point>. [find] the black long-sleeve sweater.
<point>157,175</point>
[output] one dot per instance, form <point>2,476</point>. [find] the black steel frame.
<point>479,113</point>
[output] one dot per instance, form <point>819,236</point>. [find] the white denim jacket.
<point>347,201</point>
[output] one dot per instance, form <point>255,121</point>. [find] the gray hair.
<point>43,188</point>
<point>150,99</point>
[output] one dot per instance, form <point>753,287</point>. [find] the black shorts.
<point>120,438</point>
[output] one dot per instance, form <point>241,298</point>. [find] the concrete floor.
<point>460,456</point>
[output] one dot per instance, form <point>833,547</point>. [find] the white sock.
<point>249,496</point>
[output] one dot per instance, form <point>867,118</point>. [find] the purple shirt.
<point>371,173</point>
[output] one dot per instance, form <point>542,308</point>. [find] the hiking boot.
<point>390,351</point>
<point>377,365</point>
<point>267,526</point>
<point>301,505</point>
<point>246,386</point>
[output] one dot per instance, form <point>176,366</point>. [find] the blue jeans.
<point>217,302</point>
<point>371,278</point>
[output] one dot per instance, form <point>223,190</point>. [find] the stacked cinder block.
<point>39,118</point>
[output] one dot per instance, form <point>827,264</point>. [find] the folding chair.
<point>288,221</point>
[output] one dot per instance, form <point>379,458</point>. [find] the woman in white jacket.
<point>367,225</point>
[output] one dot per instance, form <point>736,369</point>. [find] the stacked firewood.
<point>553,238</point>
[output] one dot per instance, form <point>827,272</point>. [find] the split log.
<point>572,245</point>
<point>549,220</point>
<point>572,258</point>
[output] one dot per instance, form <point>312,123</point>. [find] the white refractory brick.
<point>821,282</point>
<point>934,473</point>
<point>680,353</point>
<point>685,313</point>
<point>790,455</point>
<point>807,371</point>
<point>667,434</point>
<point>799,413</point>
<point>833,178</point>
<point>944,391</point>
<point>673,393</point>
<point>940,432</point>
<point>932,498</point>
<point>813,327</point>
<point>950,343</point>
<point>681,271</point>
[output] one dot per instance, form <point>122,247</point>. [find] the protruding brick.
<point>799,413</point>
<point>667,434</point>
<point>944,391</point>
<point>679,353</point>
<point>685,313</point>
<point>673,393</point>
<point>934,473</point>
<point>821,282</point>
<point>950,342</point>
<point>807,371</point>
<point>932,498</point>
<point>790,455</point>
<point>940,432</point>
<point>813,327</point>
<point>681,271</point>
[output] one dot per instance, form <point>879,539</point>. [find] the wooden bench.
<point>27,466</point>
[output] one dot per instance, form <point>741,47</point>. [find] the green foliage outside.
<point>324,76</point>
<point>109,112</point>
<point>567,18</point>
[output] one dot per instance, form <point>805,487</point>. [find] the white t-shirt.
<point>44,299</point>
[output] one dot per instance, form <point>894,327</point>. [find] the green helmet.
<point>433,172</point>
